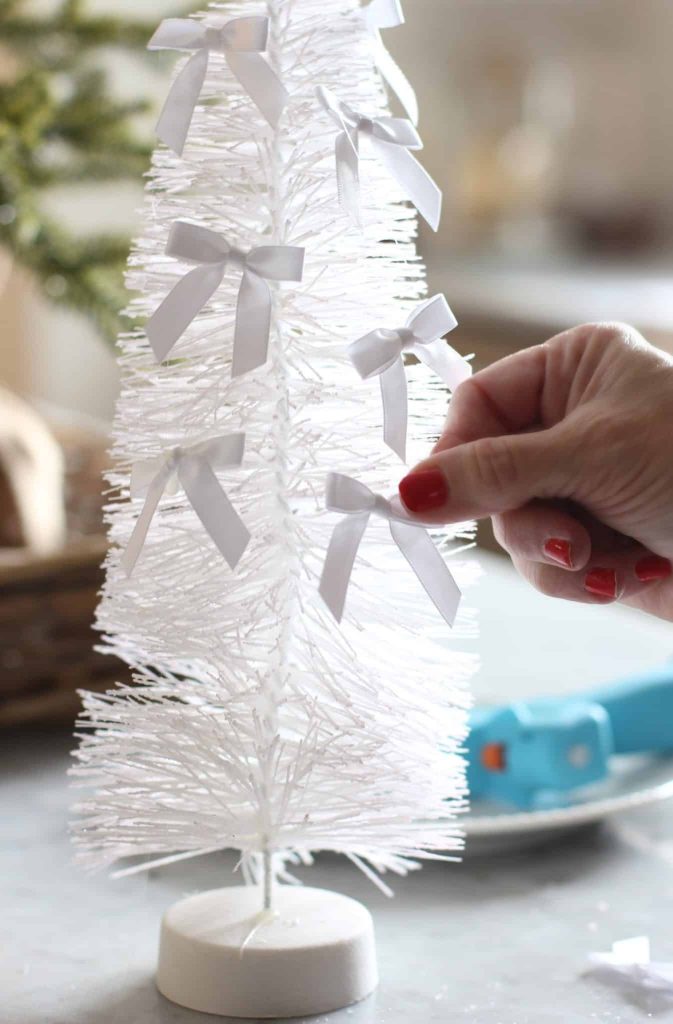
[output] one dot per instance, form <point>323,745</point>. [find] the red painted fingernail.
<point>653,568</point>
<point>559,552</point>
<point>601,582</point>
<point>424,491</point>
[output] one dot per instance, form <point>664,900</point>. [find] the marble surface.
<point>498,940</point>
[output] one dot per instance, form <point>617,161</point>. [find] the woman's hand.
<point>569,447</point>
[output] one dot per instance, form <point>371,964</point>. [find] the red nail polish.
<point>559,552</point>
<point>424,491</point>
<point>653,567</point>
<point>601,583</point>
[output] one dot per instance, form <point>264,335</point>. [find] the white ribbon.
<point>391,138</point>
<point>380,14</point>
<point>380,353</point>
<point>241,40</point>
<point>192,243</point>
<point>358,503</point>
<point>192,469</point>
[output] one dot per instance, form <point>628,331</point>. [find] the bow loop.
<point>392,139</point>
<point>377,351</point>
<point>212,254</point>
<point>358,503</point>
<point>430,323</point>
<point>384,14</point>
<point>431,320</point>
<point>380,353</point>
<point>397,131</point>
<point>178,34</point>
<point>192,470</point>
<point>193,243</point>
<point>343,494</point>
<point>242,41</point>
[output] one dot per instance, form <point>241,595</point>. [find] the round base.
<point>219,954</point>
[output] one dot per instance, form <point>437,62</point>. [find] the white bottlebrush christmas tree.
<point>256,721</point>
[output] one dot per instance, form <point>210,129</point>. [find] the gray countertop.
<point>501,940</point>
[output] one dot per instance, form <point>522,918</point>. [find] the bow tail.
<point>336,573</point>
<point>445,362</point>
<point>348,173</point>
<point>396,80</point>
<point>170,321</point>
<point>393,383</point>
<point>144,520</point>
<point>212,506</point>
<point>178,110</point>
<point>253,324</point>
<point>413,179</point>
<point>261,83</point>
<point>417,547</point>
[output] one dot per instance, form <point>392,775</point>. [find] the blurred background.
<point>546,123</point>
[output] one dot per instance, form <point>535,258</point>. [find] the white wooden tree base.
<point>219,954</point>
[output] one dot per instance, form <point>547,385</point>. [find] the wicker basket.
<point>47,604</point>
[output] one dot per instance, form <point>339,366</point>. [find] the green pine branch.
<point>65,33</point>
<point>61,125</point>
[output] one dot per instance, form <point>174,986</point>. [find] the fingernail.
<point>559,552</point>
<point>653,568</point>
<point>424,491</point>
<point>601,583</point>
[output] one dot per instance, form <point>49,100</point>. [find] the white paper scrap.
<point>629,962</point>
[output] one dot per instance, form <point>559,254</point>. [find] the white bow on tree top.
<point>380,353</point>
<point>242,41</point>
<point>212,253</point>
<point>192,469</point>
<point>391,139</point>
<point>358,503</point>
<point>380,14</point>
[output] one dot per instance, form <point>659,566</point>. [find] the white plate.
<point>635,782</point>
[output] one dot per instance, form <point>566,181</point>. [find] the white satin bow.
<point>241,40</point>
<point>192,469</point>
<point>391,138</point>
<point>358,503</point>
<point>380,353</point>
<point>193,243</point>
<point>381,14</point>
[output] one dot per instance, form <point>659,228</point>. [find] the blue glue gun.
<point>532,753</point>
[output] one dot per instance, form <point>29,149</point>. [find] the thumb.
<point>489,476</point>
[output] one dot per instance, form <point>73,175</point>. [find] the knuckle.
<point>494,465</point>
<point>603,440</point>
<point>604,336</point>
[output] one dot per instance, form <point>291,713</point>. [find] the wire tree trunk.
<point>257,723</point>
